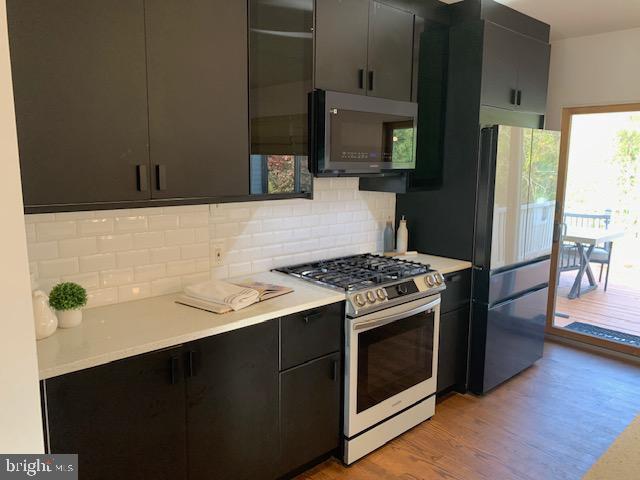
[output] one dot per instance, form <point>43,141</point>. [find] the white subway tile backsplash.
<point>121,255</point>
<point>42,250</point>
<point>55,230</point>
<point>98,262</point>
<point>132,258</point>
<point>74,247</point>
<point>58,267</point>
<point>113,278</point>
<point>95,226</point>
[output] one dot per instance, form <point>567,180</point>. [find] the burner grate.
<point>357,272</point>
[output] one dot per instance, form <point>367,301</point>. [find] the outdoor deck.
<point>616,309</point>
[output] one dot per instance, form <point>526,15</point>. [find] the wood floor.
<point>616,309</point>
<point>549,423</point>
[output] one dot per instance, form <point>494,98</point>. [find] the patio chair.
<point>601,253</point>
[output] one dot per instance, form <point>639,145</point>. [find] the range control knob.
<point>359,299</point>
<point>430,280</point>
<point>439,278</point>
<point>371,297</point>
<point>381,294</point>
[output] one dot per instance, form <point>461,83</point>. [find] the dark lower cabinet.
<point>232,412</point>
<point>124,419</point>
<point>452,350</point>
<point>216,408</point>
<point>310,411</point>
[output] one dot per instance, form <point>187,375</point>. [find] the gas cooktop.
<point>372,282</point>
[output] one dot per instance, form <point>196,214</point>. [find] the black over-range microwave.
<point>361,135</point>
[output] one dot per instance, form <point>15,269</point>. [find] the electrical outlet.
<point>218,257</point>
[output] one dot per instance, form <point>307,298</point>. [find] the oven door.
<point>391,362</point>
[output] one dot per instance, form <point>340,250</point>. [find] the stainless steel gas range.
<point>391,344</point>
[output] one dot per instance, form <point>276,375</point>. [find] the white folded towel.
<point>220,292</point>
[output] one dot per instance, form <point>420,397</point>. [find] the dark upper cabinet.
<point>280,79</point>
<point>390,52</point>
<point>515,70</point>
<point>341,35</point>
<point>79,80</point>
<point>533,75</point>
<point>310,411</point>
<point>364,47</point>
<point>123,419</point>
<point>499,67</point>
<point>232,412</point>
<point>198,106</point>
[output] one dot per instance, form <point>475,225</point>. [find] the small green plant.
<point>67,296</point>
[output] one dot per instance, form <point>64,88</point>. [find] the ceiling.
<point>575,18</point>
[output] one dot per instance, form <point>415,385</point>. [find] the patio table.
<point>586,239</point>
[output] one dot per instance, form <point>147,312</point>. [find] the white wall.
<point>20,420</point>
<point>594,70</point>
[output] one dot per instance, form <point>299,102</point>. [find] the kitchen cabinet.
<point>310,395</point>
<point>280,80</point>
<point>122,104</point>
<point>454,332</point>
<point>124,419</point>
<point>390,54</point>
<point>515,70</point>
<point>364,47</point>
<point>79,81</point>
<point>219,407</point>
<point>232,410</point>
<point>198,102</point>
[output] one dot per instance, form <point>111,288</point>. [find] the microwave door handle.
<point>378,322</point>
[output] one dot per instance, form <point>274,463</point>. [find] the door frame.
<point>563,164</point>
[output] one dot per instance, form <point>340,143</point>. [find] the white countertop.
<point>123,330</point>
<point>114,332</point>
<point>443,264</point>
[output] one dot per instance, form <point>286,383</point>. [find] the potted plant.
<point>67,299</point>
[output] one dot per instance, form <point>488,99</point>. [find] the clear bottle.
<point>402,237</point>
<point>388,236</point>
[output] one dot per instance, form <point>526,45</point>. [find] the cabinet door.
<point>198,112</point>
<point>232,395</point>
<point>79,84</point>
<point>452,349</point>
<point>533,75</point>
<point>341,45</point>
<point>390,53</point>
<point>500,66</point>
<point>310,396</point>
<point>124,419</point>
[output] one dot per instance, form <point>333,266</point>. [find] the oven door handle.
<point>378,322</point>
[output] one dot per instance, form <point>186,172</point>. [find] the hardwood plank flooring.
<point>550,422</point>
<point>615,309</point>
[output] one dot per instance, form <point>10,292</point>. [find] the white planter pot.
<point>69,318</point>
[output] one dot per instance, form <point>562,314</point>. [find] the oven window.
<point>393,358</point>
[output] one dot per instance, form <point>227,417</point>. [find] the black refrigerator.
<point>515,208</point>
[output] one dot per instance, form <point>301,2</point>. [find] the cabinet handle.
<point>191,371</point>
<point>514,96</point>
<point>312,316</point>
<point>141,178</point>
<point>161,177</point>
<point>370,86</point>
<point>519,98</point>
<point>174,364</point>
<point>361,78</point>
<point>334,370</point>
